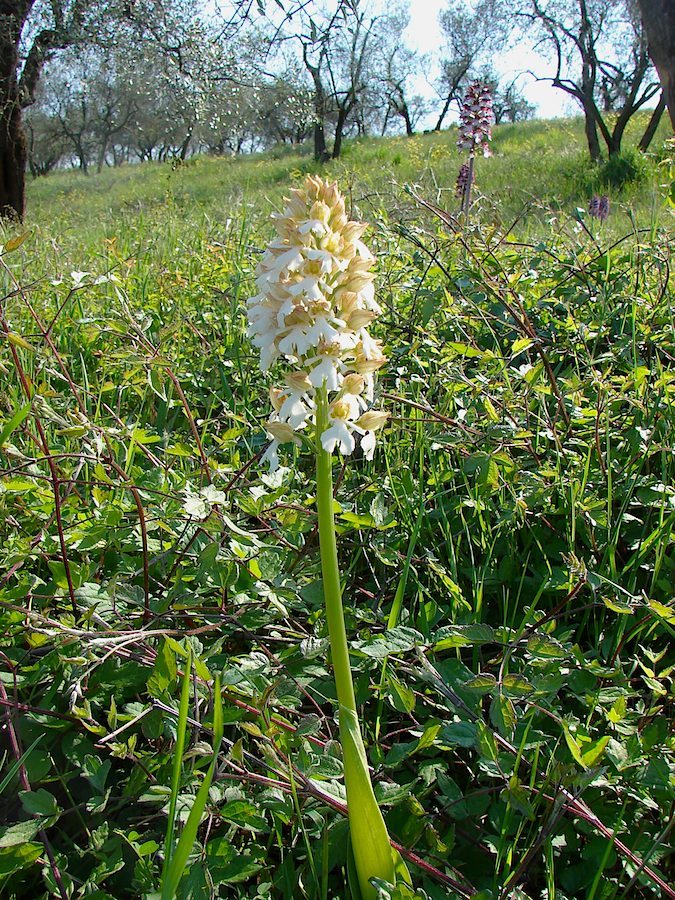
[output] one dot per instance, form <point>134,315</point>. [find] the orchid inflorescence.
<point>465,179</point>
<point>316,300</point>
<point>476,119</point>
<point>598,207</point>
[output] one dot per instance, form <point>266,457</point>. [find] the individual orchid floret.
<point>368,424</point>
<point>315,303</point>
<point>279,433</point>
<point>340,430</point>
<point>476,119</point>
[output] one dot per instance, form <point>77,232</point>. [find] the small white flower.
<point>326,373</point>
<point>293,411</point>
<point>213,496</point>
<point>280,433</point>
<point>338,435</point>
<point>368,444</point>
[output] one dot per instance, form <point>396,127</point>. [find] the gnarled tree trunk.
<point>320,150</point>
<point>13,156</point>
<point>13,152</point>
<point>658,18</point>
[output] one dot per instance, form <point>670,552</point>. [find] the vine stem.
<point>372,850</point>
<point>25,783</point>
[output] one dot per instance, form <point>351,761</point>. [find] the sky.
<point>424,34</point>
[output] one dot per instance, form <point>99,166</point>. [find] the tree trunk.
<point>653,124</point>
<point>339,128</point>
<point>13,151</point>
<point>13,157</point>
<point>591,129</point>
<point>101,156</point>
<point>405,112</point>
<point>614,145</point>
<point>658,17</point>
<point>320,150</point>
<point>444,112</point>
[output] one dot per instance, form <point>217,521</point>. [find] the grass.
<point>508,555</point>
<point>540,164</point>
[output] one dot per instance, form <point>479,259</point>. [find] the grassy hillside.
<point>508,556</point>
<point>537,167</point>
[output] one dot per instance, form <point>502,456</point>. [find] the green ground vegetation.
<point>508,555</point>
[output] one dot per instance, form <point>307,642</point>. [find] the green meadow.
<point>508,556</point>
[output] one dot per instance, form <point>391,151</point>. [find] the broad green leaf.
<point>503,716</point>
<point>465,350</point>
<point>573,746</point>
<point>369,838</point>
<point>243,814</point>
<point>164,670</point>
<point>365,520</point>
<point>19,341</point>
<point>522,343</point>
<point>156,382</point>
<point>461,734</point>
<point>16,858</point>
<point>230,865</point>
<point>453,636</point>
<point>402,697</point>
<point>428,737</point>
<point>594,751</point>
<point>487,745</point>
<point>663,611</point>
<point>394,640</point>
<point>482,684</point>
<point>39,803</point>
<point>618,606</point>
<point>518,797</point>
<point>618,711</point>
<point>21,833</point>
<point>515,685</point>
<point>545,647</point>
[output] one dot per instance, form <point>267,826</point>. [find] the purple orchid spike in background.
<point>598,208</point>
<point>464,179</point>
<point>475,132</point>
<point>476,119</point>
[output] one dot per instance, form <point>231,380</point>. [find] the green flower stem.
<point>370,842</point>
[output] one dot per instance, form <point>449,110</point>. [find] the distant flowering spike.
<point>465,178</point>
<point>316,300</point>
<point>476,119</point>
<point>598,208</point>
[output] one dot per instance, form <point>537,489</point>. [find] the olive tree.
<point>600,59</point>
<point>33,32</point>
<point>471,37</point>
